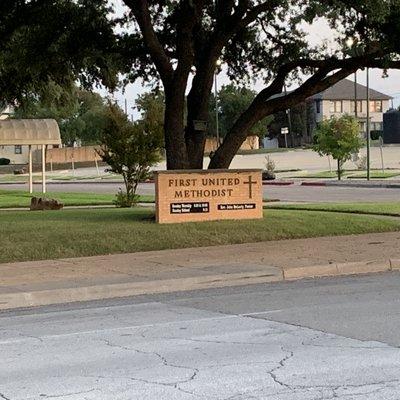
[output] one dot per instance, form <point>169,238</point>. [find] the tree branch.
<point>140,9</point>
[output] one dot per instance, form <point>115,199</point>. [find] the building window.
<point>363,127</point>
<point>377,126</point>
<point>375,106</point>
<point>336,106</point>
<point>18,149</point>
<point>359,106</point>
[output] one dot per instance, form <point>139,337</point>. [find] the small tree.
<point>339,138</point>
<point>130,150</point>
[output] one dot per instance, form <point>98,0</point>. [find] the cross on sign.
<point>250,182</point>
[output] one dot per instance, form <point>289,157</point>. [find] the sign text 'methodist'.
<point>204,187</point>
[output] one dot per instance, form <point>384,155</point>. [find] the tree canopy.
<point>81,114</point>
<point>339,138</point>
<point>177,45</point>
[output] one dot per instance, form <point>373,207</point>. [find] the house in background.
<point>336,101</point>
<point>340,99</point>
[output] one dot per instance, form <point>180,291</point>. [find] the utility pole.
<point>368,132</point>
<point>289,116</point>
<point>355,96</point>
<point>217,70</point>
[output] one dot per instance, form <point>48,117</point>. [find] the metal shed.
<point>31,132</point>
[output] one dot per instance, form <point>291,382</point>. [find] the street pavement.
<point>317,339</point>
<point>292,193</point>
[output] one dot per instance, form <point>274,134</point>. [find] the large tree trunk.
<point>174,131</point>
<point>235,138</point>
<point>197,110</point>
<point>195,136</point>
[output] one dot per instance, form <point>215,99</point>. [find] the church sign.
<point>184,196</point>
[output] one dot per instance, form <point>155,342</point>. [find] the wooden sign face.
<point>184,196</point>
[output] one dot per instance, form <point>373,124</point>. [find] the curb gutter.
<point>21,299</point>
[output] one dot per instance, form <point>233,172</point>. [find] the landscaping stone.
<point>42,203</point>
<point>20,171</point>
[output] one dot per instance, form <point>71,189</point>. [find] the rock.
<point>41,204</point>
<point>20,171</point>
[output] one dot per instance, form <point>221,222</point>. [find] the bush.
<point>339,138</point>
<point>125,200</point>
<point>269,172</point>
<point>375,135</point>
<point>130,149</point>
<point>361,163</point>
<point>4,161</point>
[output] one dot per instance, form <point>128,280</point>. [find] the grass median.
<point>74,233</point>
<point>387,209</point>
<point>21,199</point>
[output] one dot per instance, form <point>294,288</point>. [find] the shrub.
<point>4,161</point>
<point>130,149</point>
<point>339,138</point>
<point>361,163</point>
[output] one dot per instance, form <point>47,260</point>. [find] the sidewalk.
<point>37,283</point>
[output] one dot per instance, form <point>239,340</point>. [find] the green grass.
<point>375,175</point>
<point>20,199</point>
<point>349,174</point>
<point>56,177</point>
<point>319,175</point>
<point>72,233</point>
<point>265,151</point>
<point>389,209</point>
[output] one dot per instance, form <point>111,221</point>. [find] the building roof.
<point>29,132</point>
<point>344,90</point>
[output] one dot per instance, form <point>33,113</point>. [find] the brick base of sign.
<point>185,196</point>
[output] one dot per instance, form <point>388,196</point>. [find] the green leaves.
<point>129,150</point>
<point>338,137</point>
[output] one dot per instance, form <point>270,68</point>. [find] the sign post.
<point>285,132</point>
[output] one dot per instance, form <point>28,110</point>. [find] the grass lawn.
<point>319,175</point>
<point>264,151</point>
<point>20,199</point>
<point>72,233</point>
<point>390,209</point>
<point>375,175</point>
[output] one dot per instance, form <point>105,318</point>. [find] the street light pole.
<point>218,64</point>
<point>368,132</point>
<point>289,117</point>
<point>355,96</point>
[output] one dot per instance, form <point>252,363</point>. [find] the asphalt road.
<point>323,339</point>
<point>284,193</point>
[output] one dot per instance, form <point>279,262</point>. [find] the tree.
<point>151,106</point>
<point>232,102</point>
<point>130,151</point>
<point>297,119</point>
<point>60,41</point>
<point>339,138</point>
<point>80,114</point>
<point>177,44</point>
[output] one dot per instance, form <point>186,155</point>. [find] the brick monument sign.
<point>184,196</point>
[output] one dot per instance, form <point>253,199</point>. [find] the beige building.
<point>17,154</point>
<point>340,99</point>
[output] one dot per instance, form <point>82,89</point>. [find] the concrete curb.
<point>29,299</point>
<point>277,183</point>
<point>341,269</point>
<point>304,183</point>
<point>367,185</point>
<point>109,291</point>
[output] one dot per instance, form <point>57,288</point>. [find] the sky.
<point>317,32</point>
